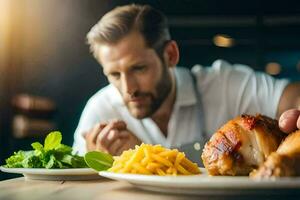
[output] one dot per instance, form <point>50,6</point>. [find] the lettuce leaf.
<point>52,140</point>
<point>98,161</point>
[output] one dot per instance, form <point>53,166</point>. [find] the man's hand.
<point>289,121</point>
<point>112,138</point>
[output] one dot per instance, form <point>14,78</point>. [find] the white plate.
<point>54,174</point>
<point>204,184</point>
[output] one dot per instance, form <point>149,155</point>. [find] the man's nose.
<point>129,85</point>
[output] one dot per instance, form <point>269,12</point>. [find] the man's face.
<point>138,73</point>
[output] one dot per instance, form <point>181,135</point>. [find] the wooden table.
<point>20,188</point>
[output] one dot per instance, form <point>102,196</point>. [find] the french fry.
<point>182,170</point>
<point>189,165</point>
<point>141,169</point>
<point>160,172</point>
<point>162,160</point>
<point>152,166</point>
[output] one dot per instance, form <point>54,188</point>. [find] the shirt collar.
<point>185,91</point>
<point>114,96</point>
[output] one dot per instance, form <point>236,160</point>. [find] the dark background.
<point>46,54</point>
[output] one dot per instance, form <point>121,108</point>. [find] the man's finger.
<point>94,132</point>
<point>115,146</point>
<point>114,125</point>
<point>122,148</point>
<point>112,136</point>
<point>106,139</point>
<point>89,134</point>
<point>118,124</point>
<point>289,120</point>
<point>102,125</point>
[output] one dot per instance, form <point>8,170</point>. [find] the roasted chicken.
<point>284,162</point>
<point>241,145</point>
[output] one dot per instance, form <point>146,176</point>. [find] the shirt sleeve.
<point>100,108</point>
<point>247,91</point>
<point>87,120</point>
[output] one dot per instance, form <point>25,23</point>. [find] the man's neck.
<point>162,116</point>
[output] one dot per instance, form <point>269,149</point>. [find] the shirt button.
<point>197,146</point>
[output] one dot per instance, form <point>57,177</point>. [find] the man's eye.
<point>139,68</point>
<point>115,75</point>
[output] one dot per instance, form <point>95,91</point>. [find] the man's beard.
<point>162,90</point>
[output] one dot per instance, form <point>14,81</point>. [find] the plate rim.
<point>54,172</point>
<point>204,181</point>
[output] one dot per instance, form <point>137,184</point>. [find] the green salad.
<point>51,155</point>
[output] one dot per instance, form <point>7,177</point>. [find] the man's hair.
<point>121,21</point>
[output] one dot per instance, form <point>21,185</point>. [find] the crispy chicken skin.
<point>241,145</point>
<point>284,162</point>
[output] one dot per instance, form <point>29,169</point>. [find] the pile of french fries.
<point>154,160</point>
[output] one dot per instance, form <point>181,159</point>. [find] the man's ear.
<point>171,53</point>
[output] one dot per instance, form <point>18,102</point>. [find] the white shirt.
<point>225,91</point>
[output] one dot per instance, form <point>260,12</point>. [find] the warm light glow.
<point>223,40</point>
<point>4,19</point>
<point>4,31</point>
<point>273,68</point>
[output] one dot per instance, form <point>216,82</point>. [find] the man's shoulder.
<point>220,66</point>
<point>221,69</point>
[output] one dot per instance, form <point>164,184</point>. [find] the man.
<point>150,100</point>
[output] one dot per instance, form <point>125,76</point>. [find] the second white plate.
<point>204,184</point>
